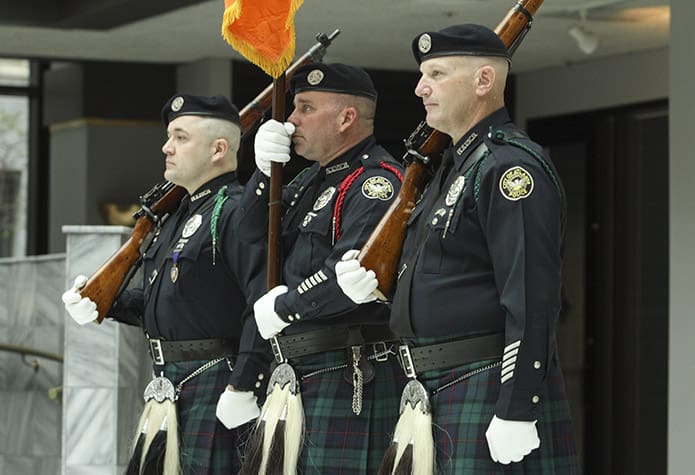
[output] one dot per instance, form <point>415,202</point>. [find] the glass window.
<point>14,126</point>
<point>14,72</point>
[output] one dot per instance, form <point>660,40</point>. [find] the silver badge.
<point>177,104</point>
<point>455,190</point>
<point>324,198</point>
<point>314,77</point>
<point>424,44</point>
<point>192,225</point>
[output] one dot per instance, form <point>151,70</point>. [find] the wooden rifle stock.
<point>382,251</point>
<point>104,286</point>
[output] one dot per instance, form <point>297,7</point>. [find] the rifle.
<point>382,250</point>
<point>113,276</point>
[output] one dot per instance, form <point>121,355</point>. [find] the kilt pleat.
<point>337,441</point>
<point>462,412</point>
<point>206,446</point>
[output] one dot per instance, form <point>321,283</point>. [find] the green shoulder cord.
<point>219,201</point>
<point>500,136</point>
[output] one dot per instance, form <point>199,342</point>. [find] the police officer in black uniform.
<point>198,278</point>
<point>337,349</point>
<point>481,271</point>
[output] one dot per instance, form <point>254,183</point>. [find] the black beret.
<point>459,40</point>
<point>186,104</point>
<point>336,77</point>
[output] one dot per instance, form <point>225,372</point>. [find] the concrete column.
<point>106,368</point>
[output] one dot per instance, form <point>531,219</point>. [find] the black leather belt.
<point>329,339</point>
<point>167,351</point>
<point>415,360</point>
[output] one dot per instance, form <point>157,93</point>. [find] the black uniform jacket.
<point>329,210</point>
<point>187,296</point>
<point>491,256</point>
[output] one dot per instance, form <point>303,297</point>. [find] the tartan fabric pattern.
<point>336,440</point>
<point>462,412</point>
<point>206,446</point>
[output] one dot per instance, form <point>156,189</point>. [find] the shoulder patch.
<point>516,184</point>
<point>377,188</point>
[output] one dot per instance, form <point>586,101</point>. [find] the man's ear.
<point>220,148</point>
<point>485,80</point>
<point>347,117</point>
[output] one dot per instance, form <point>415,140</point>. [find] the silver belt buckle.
<point>277,351</point>
<point>381,351</point>
<point>406,361</point>
<point>156,351</point>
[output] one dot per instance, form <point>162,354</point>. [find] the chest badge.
<point>378,188</point>
<point>455,190</point>
<point>324,198</point>
<point>192,225</point>
<point>516,184</point>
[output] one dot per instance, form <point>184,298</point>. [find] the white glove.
<point>272,144</point>
<point>235,408</point>
<point>355,281</point>
<point>269,323</point>
<point>81,309</point>
<point>511,441</point>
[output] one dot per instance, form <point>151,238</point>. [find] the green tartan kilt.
<point>462,412</point>
<point>336,440</point>
<point>206,446</point>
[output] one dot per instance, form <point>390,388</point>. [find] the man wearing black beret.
<point>479,296</point>
<point>340,352</point>
<point>191,306</point>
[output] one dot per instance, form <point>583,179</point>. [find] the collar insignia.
<point>337,168</point>
<point>199,195</point>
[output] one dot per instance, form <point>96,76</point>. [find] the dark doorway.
<point>613,335</point>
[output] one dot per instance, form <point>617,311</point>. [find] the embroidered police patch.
<point>516,183</point>
<point>324,198</point>
<point>377,188</point>
<point>192,225</point>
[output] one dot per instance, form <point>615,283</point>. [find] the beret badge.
<point>424,44</point>
<point>177,104</point>
<point>314,77</point>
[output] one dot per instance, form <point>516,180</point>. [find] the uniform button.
<point>290,318</point>
<point>535,399</point>
<point>259,192</point>
<point>537,364</point>
<point>261,376</point>
<point>292,203</point>
<point>261,185</point>
<point>297,316</point>
<point>365,156</point>
<point>435,221</point>
<point>258,384</point>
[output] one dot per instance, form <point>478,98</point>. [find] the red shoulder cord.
<point>343,189</point>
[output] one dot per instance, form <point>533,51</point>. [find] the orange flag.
<point>262,31</point>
